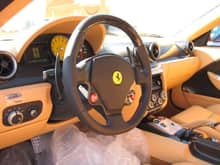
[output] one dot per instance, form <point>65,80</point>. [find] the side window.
<point>214,37</point>
<point>211,38</point>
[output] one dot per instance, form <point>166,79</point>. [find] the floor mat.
<point>20,154</point>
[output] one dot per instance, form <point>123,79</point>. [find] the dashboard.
<point>29,105</point>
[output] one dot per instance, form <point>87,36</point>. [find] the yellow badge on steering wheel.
<point>117,77</point>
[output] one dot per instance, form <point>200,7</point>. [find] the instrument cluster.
<point>45,48</point>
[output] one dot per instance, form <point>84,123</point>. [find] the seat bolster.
<point>197,116</point>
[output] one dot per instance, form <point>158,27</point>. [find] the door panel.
<point>200,89</point>
<point>200,82</point>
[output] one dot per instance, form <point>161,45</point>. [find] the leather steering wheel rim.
<point>71,75</point>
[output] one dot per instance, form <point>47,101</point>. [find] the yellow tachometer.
<point>58,45</point>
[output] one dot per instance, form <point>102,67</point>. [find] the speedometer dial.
<point>58,45</point>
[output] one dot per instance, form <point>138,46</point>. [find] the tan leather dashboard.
<point>178,71</point>
<point>20,95</point>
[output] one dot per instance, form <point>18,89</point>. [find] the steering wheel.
<point>105,80</point>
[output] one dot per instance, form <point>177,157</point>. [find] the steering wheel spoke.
<point>115,120</point>
<point>140,76</point>
<point>83,71</point>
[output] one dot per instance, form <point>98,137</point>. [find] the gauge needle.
<point>60,52</point>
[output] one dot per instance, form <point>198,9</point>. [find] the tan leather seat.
<point>184,163</point>
<point>201,119</point>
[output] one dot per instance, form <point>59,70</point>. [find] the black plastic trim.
<point>206,150</point>
<point>20,82</point>
<point>25,109</point>
<point>200,84</point>
<point>202,40</point>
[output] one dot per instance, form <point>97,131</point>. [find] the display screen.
<point>37,53</point>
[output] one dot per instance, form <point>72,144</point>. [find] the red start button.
<point>93,97</point>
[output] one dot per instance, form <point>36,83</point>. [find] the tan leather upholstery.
<point>201,118</point>
<point>171,151</point>
<point>184,163</point>
<point>214,108</point>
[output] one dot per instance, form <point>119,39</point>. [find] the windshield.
<point>155,17</point>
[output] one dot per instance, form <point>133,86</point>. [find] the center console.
<point>158,96</point>
<point>166,126</point>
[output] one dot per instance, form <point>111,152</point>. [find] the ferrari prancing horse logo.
<point>117,78</point>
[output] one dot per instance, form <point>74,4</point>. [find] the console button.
<point>163,125</point>
<point>163,95</point>
<point>158,82</point>
<point>172,124</point>
<point>21,113</point>
<point>33,112</point>
<point>156,121</point>
<point>15,117</point>
<point>154,97</point>
<point>160,101</point>
<point>151,105</point>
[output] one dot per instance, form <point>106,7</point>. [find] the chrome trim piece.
<point>157,69</point>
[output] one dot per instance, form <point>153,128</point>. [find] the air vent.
<point>190,46</point>
<point>154,51</point>
<point>8,65</point>
<point>186,46</point>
